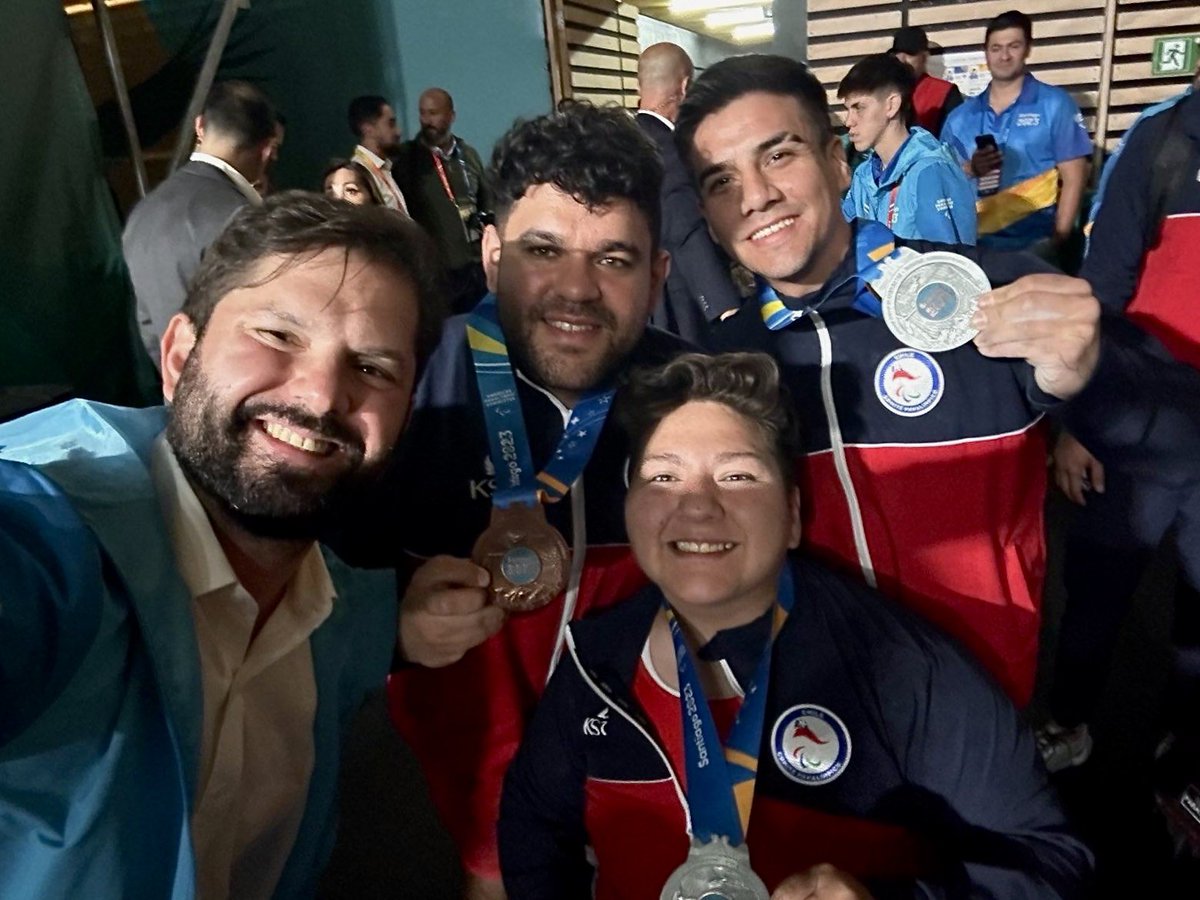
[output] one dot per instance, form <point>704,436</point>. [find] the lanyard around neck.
<point>720,781</point>
<point>517,481</point>
<point>874,243</point>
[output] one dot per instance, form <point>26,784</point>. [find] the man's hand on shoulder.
<point>823,882</point>
<point>1050,321</point>
<point>445,612</point>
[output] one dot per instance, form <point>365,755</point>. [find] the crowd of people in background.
<point>773,551</point>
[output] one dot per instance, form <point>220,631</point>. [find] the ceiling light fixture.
<point>698,7</point>
<point>760,31</point>
<point>727,18</point>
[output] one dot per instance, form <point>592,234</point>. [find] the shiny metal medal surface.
<point>526,556</point>
<point>715,871</point>
<point>929,300</point>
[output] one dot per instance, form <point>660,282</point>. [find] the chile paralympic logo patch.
<point>909,382</point>
<point>810,744</point>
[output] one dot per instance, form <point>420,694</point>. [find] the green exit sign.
<point>1175,55</point>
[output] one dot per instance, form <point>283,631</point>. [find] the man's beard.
<point>563,371</point>
<point>434,138</point>
<point>269,499</point>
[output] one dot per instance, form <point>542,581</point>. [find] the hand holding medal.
<point>1052,322</point>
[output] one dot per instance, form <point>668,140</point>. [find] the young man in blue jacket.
<point>179,658</point>
<point>909,181</point>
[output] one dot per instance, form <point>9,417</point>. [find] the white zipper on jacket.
<point>612,704</point>
<point>838,447</point>
<point>578,555</point>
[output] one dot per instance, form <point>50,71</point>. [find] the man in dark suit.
<point>699,289</point>
<point>169,230</point>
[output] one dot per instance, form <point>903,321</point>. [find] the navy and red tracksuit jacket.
<point>465,721</point>
<point>1139,265</point>
<point>1142,409</point>
<point>1140,413</point>
<point>941,794</point>
<point>940,508</point>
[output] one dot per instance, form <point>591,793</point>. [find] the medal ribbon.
<point>516,479</point>
<point>720,786</point>
<point>874,244</point>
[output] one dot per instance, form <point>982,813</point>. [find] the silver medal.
<point>929,300</point>
<point>715,871</point>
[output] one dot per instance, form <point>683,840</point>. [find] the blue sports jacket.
<point>922,194</point>
<point>100,695</point>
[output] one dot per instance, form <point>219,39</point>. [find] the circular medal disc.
<point>525,555</point>
<point>715,871</point>
<point>929,302</point>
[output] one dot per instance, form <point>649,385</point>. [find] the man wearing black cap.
<point>933,97</point>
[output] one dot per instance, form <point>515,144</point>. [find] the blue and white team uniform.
<point>921,194</point>
<point>1042,128</point>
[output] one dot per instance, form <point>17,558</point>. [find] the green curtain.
<point>66,320</point>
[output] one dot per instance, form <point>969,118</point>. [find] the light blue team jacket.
<point>922,194</point>
<point>101,702</point>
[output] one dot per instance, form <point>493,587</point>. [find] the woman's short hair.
<point>748,383</point>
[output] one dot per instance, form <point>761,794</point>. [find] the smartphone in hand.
<point>989,181</point>
<point>985,142</point>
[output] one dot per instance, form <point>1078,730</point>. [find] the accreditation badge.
<point>525,555</point>
<point>929,299</point>
<point>715,871</point>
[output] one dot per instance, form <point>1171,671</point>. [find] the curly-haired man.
<point>575,267</point>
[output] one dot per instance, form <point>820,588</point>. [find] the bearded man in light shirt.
<point>179,658</point>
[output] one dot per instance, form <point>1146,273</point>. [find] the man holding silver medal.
<point>925,467</point>
<point>509,455</point>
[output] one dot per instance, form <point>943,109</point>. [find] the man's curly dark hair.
<point>594,154</point>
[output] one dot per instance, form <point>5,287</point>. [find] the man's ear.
<point>836,153</point>
<point>891,106</point>
<point>794,528</point>
<point>178,342</point>
<point>198,128</point>
<point>660,268</point>
<point>490,251</point>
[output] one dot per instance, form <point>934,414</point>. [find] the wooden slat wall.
<point>1068,43</point>
<point>1066,50</point>
<point>1133,89</point>
<point>602,51</point>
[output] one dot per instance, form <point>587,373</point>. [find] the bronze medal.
<point>525,555</point>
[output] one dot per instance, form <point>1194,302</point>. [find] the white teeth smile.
<point>771,229</point>
<point>702,547</point>
<point>310,445</point>
<point>569,327</point>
